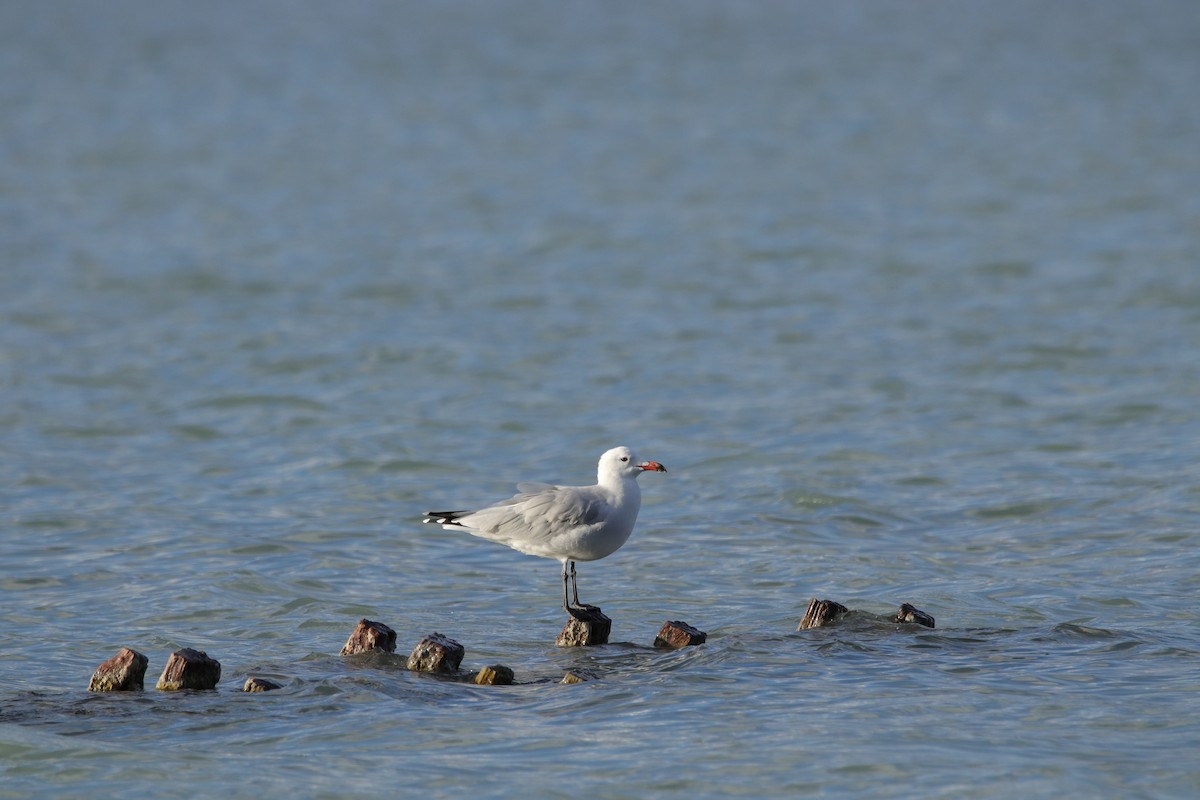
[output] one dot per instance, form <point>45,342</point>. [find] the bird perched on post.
<point>567,523</point>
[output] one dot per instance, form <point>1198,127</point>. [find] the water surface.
<point>906,298</point>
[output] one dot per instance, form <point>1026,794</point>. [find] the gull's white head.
<point>622,462</point>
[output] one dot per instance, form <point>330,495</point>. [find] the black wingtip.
<point>444,517</point>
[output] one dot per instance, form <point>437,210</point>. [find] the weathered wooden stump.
<point>189,669</point>
<point>908,613</point>
<point>124,672</point>
<point>676,634</point>
<point>436,653</point>
<point>368,636</point>
<point>495,675</point>
<point>821,613</point>
<point>578,676</point>
<point>260,685</point>
<point>587,626</point>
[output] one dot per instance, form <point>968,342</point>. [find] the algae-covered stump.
<point>189,669</point>
<point>436,653</point>
<point>587,626</point>
<point>821,613</point>
<point>368,636</point>
<point>124,672</point>
<point>495,675</point>
<point>912,614</point>
<point>675,635</point>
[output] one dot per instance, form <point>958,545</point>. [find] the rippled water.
<point>906,297</point>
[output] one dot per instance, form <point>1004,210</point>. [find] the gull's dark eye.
<point>624,458</point>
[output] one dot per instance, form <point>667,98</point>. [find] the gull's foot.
<point>582,611</point>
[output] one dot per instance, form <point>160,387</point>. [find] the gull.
<point>567,523</point>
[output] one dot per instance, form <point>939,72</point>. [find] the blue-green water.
<point>906,296</point>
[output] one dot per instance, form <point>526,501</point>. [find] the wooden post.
<point>908,613</point>
<point>495,675</point>
<point>436,653</point>
<point>189,669</point>
<point>260,685</point>
<point>821,613</point>
<point>587,626</point>
<point>124,672</point>
<point>675,635</point>
<point>368,636</point>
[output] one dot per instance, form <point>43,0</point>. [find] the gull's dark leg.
<point>566,605</point>
<point>574,586</point>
